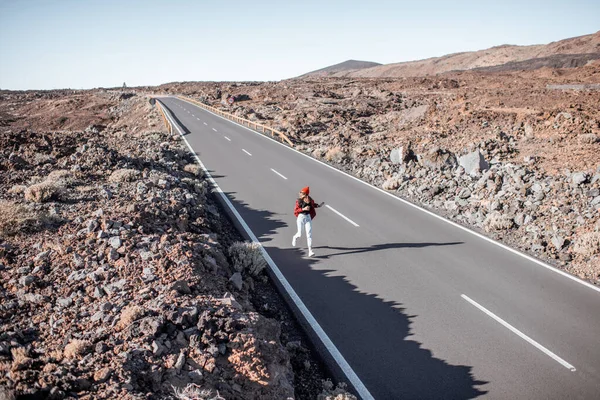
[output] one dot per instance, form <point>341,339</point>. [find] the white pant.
<point>304,219</point>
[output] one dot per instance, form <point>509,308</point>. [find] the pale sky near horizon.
<point>86,44</point>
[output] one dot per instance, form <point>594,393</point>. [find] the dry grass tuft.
<point>17,189</point>
<point>194,169</point>
<point>335,154</point>
<point>391,184</point>
<point>60,175</point>
<point>55,355</point>
<point>128,315</point>
<point>330,392</point>
<point>195,392</point>
<point>124,175</point>
<point>44,191</point>
<point>21,358</point>
<point>497,222</point>
<point>588,244</point>
<point>16,218</point>
<point>76,348</point>
<point>247,257</point>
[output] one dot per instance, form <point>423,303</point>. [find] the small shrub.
<point>247,257</point>
<point>194,169</point>
<point>588,244</point>
<point>128,315</point>
<point>391,184</point>
<point>335,154</point>
<point>195,392</point>
<point>60,176</point>
<point>124,175</point>
<point>44,191</point>
<point>17,189</point>
<point>330,392</point>
<point>21,359</point>
<point>76,348</point>
<point>497,222</point>
<point>15,218</point>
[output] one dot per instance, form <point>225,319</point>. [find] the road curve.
<point>417,307</point>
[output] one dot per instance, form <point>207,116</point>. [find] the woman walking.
<point>305,213</point>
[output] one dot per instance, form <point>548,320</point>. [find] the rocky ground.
<point>120,275</point>
<point>506,154</point>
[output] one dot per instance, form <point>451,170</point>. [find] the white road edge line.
<point>335,353</point>
<point>245,151</point>
<point>227,138</point>
<point>520,334</point>
<point>490,240</point>
<point>279,174</point>
<point>342,215</point>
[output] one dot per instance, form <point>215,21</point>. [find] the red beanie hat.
<point>305,190</point>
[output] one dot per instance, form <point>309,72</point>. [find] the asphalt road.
<point>419,308</point>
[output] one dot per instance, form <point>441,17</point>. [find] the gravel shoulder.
<point>121,276</point>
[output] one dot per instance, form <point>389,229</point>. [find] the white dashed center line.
<point>227,138</point>
<point>342,215</point>
<point>214,129</point>
<point>205,124</point>
<point>520,334</point>
<point>244,150</point>
<point>278,174</point>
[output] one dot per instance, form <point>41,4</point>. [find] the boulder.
<point>437,158</point>
<point>397,155</point>
<point>473,163</point>
<point>579,178</point>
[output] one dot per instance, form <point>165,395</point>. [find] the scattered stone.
<point>181,287</point>
<point>558,242</point>
<point>115,242</point>
<point>27,280</point>
<point>102,375</point>
<point>236,280</point>
<point>92,225</point>
<point>579,178</point>
<point>473,163</point>
<point>113,255</point>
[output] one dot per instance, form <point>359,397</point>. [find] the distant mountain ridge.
<point>565,53</point>
<point>343,67</point>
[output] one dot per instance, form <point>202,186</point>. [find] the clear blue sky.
<point>88,43</point>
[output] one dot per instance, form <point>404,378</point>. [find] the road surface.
<point>417,307</point>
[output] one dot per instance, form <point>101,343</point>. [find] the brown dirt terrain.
<point>542,145</point>
<point>120,275</point>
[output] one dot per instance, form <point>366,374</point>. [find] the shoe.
<point>294,241</point>
<point>310,253</point>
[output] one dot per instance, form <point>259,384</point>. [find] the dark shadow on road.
<point>377,247</point>
<point>372,334</point>
<point>177,120</point>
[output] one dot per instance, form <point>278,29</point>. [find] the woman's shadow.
<point>377,247</point>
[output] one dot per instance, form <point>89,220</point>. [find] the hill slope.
<point>495,56</point>
<point>344,67</point>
